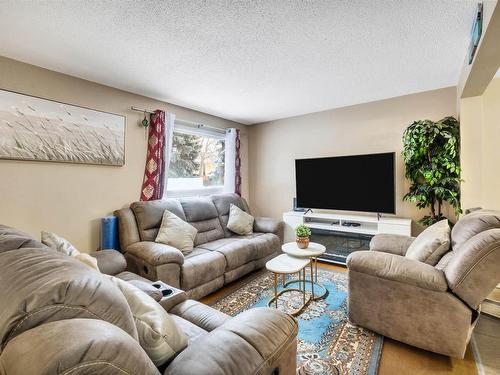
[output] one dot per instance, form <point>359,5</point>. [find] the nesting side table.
<point>312,252</point>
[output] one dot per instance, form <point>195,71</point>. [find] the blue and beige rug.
<point>327,342</point>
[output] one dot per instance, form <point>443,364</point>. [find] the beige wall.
<point>480,132</point>
<point>360,129</point>
<point>69,199</point>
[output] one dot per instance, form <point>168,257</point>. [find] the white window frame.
<point>185,129</point>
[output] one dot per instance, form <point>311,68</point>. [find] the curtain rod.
<point>182,122</point>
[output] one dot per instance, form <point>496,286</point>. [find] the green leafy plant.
<point>432,161</point>
<point>303,231</point>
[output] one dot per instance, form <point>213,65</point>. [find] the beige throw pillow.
<point>176,232</point>
<point>62,245</point>
<point>159,335</point>
<point>239,221</point>
<point>58,243</point>
<point>431,244</point>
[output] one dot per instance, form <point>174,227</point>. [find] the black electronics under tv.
<point>350,183</point>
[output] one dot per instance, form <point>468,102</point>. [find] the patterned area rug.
<point>327,342</point>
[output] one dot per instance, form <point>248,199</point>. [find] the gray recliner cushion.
<point>236,251</point>
<point>200,267</point>
<point>201,213</point>
<point>474,223</point>
<point>149,215</point>
<point>265,245</point>
<point>13,239</point>
<point>39,286</point>
<point>239,250</point>
<point>223,204</point>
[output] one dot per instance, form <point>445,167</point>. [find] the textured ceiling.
<point>248,61</point>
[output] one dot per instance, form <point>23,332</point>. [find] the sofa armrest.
<point>391,243</point>
<point>155,254</point>
<point>256,341</point>
<point>269,225</point>
<point>110,262</point>
<point>397,268</point>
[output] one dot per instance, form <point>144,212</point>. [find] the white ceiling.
<point>248,61</point>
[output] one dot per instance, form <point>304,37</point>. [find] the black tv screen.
<point>351,183</point>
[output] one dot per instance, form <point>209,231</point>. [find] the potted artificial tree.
<point>303,233</point>
<point>432,160</point>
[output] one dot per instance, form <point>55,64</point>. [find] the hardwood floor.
<point>397,358</point>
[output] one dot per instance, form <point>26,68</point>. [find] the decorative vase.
<point>302,242</point>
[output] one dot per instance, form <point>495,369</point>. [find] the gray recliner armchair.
<point>430,307</point>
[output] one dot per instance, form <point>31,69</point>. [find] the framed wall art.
<point>38,129</point>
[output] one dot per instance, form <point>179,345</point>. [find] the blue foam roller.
<point>109,233</point>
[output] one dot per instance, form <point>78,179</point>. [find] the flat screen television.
<point>351,183</point>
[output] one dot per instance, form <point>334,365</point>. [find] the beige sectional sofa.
<point>58,316</point>
<point>219,256</point>
<point>431,307</point>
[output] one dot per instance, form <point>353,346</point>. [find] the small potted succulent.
<point>303,233</point>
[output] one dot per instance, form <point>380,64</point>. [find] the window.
<point>196,163</point>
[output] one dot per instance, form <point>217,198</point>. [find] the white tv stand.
<point>369,225</point>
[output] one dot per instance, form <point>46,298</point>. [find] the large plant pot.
<point>302,242</point>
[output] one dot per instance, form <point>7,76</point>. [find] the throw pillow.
<point>87,260</point>
<point>58,243</point>
<point>62,245</point>
<point>239,221</point>
<point>176,232</point>
<point>159,335</point>
<point>431,244</point>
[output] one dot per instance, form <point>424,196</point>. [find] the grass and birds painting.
<point>43,130</point>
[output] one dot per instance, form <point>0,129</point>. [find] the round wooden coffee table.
<point>287,265</point>
<point>312,252</point>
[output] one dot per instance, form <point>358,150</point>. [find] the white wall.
<point>69,199</point>
<point>360,129</point>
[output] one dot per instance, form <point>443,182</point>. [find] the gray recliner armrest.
<point>269,225</point>
<point>110,262</point>
<point>397,268</point>
<point>257,341</point>
<point>155,253</point>
<point>391,243</point>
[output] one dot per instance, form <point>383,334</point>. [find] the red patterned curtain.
<point>152,186</point>
<point>237,182</point>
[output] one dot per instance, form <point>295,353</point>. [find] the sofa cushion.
<point>223,203</point>
<point>431,244</point>
<point>13,239</point>
<point>201,213</point>
<point>149,214</point>
<point>159,335</point>
<point>265,245</point>
<point>239,221</point>
<point>76,347</point>
<point>201,266</point>
<point>192,331</point>
<point>473,224</point>
<point>176,232</point>
<point>40,286</point>
<point>237,251</point>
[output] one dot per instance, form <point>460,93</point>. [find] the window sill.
<point>194,192</point>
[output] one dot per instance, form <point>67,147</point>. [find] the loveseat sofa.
<point>219,256</point>
<point>61,317</point>
<point>431,307</point>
